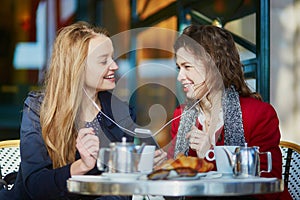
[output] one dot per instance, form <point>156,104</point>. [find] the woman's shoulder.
<point>250,101</point>
<point>109,99</point>
<point>115,107</point>
<point>252,105</point>
<point>178,110</point>
<point>111,102</point>
<point>34,100</point>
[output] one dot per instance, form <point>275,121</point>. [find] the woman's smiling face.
<point>100,71</point>
<point>192,74</point>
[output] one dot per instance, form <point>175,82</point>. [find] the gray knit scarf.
<point>233,124</point>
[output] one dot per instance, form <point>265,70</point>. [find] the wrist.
<point>78,168</point>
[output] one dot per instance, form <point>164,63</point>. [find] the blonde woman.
<point>62,126</point>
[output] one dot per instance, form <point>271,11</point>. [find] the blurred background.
<point>267,34</point>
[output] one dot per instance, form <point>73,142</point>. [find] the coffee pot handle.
<point>269,158</point>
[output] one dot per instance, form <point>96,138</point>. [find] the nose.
<point>113,65</point>
<point>181,75</point>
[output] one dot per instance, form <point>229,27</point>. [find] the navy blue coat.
<point>36,177</point>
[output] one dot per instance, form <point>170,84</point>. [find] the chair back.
<point>9,157</point>
<point>291,167</point>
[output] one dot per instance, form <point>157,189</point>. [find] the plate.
<point>122,176</point>
<point>175,177</point>
<point>88,178</point>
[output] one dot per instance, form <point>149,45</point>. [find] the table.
<point>201,187</point>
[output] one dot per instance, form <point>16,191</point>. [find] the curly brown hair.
<point>219,44</point>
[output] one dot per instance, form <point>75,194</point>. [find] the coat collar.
<point>114,108</point>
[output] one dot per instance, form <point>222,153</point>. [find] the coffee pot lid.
<point>122,143</point>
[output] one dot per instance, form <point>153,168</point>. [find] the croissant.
<point>196,163</point>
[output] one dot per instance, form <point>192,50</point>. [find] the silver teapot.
<point>245,161</point>
<point>123,157</point>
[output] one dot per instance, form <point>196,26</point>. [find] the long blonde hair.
<point>63,90</point>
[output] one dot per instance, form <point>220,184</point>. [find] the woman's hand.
<point>198,141</point>
<point>87,143</point>
<point>159,157</point>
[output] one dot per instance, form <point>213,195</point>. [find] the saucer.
<point>212,175</point>
<point>227,174</point>
<point>122,176</point>
<point>88,178</point>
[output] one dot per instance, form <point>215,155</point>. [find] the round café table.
<point>224,186</point>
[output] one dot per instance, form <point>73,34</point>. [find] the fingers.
<point>195,135</point>
<point>159,157</point>
<point>197,138</point>
<point>87,142</point>
<point>193,132</point>
<point>85,131</point>
<point>86,135</point>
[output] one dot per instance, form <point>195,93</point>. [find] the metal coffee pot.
<point>121,157</point>
<point>245,161</point>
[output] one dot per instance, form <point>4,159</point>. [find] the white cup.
<point>146,161</point>
<point>222,160</point>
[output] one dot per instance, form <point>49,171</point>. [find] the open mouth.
<point>112,76</point>
<point>185,85</point>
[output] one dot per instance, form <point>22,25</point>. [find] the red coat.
<point>261,128</point>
